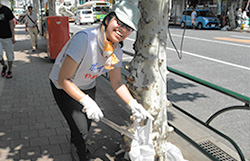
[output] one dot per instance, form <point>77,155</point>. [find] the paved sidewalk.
<point>31,124</point>
<point>33,129</point>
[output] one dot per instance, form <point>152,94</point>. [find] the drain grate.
<point>216,151</point>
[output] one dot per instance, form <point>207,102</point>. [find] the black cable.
<point>182,40</point>
<point>183,35</point>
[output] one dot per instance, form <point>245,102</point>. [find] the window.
<point>206,14</point>
<point>86,12</point>
<point>188,13</point>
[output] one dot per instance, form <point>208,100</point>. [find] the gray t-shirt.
<point>85,49</point>
<point>193,15</point>
<point>28,21</point>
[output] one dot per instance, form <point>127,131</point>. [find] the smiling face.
<point>114,32</point>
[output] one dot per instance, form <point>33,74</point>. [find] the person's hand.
<point>91,108</point>
<point>139,111</point>
<point>13,39</point>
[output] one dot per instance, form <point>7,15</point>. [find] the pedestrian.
<point>245,14</point>
<point>31,26</point>
<point>238,17</point>
<point>87,55</point>
<point>193,17</point>
<point>7,39</point>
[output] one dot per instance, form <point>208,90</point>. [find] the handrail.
<point>233,94</point>
<point>225,91</point>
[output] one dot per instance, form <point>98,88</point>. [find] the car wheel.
<point>199,26</point>
<point>182,24</point>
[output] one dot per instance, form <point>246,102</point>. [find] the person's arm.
<point>67,71</point>
<point>26,22</point>
<point>123,92</point>
<point>12,26</point>
<point>118,86</point>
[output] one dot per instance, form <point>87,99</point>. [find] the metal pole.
<point>51,8</point>
<point>36,7</point>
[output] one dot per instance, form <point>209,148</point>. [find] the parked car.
<point>72,19</point>
<point>84,16</point>
<point>205,19</point>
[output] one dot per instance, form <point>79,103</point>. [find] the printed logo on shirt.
<point>97,69</point>
<point>89,76</point>
<point>1,17</point>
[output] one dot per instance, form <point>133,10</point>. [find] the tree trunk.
<point>147,79</point>
<point>36,6</point>
<point>232,16</point>
<point>52,8</point>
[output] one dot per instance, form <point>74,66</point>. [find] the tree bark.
<point>52,8</point>
<point>36,6</point>
<point>148,69</point>
<point>232,16</point>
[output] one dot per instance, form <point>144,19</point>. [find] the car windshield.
<point>86,12</point>
<point>101,10</point>
<point>206,14</point>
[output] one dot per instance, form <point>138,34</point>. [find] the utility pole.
<point>52,8</point>
<point>36,6</point>
<point>232,15</point>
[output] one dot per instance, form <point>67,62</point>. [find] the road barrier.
<point>230,93</point>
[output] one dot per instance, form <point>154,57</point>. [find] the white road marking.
<point>204,57</point>
<point>244,37</point>
<point>211,59</point>
<point>213,41</point>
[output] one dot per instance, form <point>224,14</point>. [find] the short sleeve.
<point>119,53</point>
<point>10,15</point>
<point>78,46</point>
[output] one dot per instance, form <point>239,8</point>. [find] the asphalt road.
<point>219,57</point>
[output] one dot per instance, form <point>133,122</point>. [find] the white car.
<point>84,16</point>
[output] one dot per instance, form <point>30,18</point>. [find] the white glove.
<point>139,111</point>
<point>91,108</point>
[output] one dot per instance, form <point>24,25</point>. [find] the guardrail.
<point>230,93</point>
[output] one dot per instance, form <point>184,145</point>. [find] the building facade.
<point>219,7</point>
